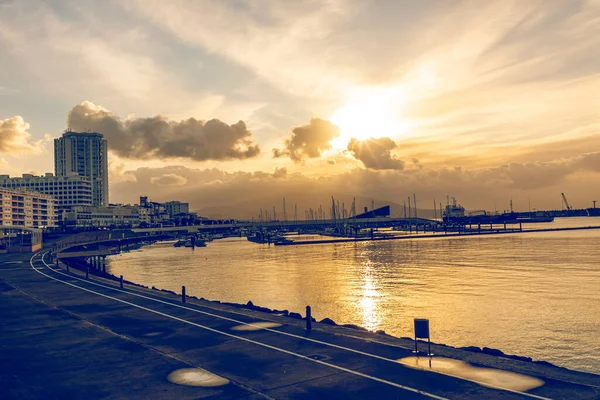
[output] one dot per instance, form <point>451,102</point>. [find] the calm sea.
<point>531,294</point>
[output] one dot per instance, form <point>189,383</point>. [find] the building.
<point>86,155</point>
<point>25,209</point>
<point>67,191</point>
<point>114,216</point>
<point>176,207</point>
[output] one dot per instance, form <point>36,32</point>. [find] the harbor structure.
<point>84,154</point>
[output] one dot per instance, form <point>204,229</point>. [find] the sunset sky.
<point>220,102</point>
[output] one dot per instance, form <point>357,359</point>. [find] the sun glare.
<point>371,112</point>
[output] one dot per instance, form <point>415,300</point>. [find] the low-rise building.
<point>113,216</point>
<point>67,191</point>
<point>176,207</point>
<point>21,208</point>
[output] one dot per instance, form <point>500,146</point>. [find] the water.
<point>531,294</point>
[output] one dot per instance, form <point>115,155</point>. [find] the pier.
<point>435,235</point>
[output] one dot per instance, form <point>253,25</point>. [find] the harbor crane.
<point>567,206</point>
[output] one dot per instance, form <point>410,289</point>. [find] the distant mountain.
<point>304,201</point>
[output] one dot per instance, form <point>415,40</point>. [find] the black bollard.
<point>308,319</point>
<point>121,282</point>
<point>183,294</point>
<point>65,264</point>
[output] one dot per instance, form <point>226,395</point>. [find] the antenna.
<point>434,210</point>
<point>415,204</point>
<point>284,211</point>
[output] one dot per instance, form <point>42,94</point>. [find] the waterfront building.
<point>67,191</point>
<point>176,207</point>
<point>26,209</point>
<point>86,155</point>
<point>114,216</point>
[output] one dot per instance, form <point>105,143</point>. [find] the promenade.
<point>62,336</point>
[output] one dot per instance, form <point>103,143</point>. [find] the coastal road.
<point>64,334</point>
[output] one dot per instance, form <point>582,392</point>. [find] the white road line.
<point>408,388</point>
<point>286,333</point>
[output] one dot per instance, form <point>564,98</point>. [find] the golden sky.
<point>496,99</point>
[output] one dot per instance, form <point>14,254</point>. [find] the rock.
<point>281,312</point>
<point>327,321</point>
<point>492,352</point>
<point>381,332</point>
<point>474,349</point>
<point>295,315</point>
<point>352,326</point>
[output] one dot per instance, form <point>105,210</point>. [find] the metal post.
<point>66,265</point>
<point>308,319</point>
<point>183,294</point>
<point>121,282</point>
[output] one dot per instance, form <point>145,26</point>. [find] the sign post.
<point>422,332</point>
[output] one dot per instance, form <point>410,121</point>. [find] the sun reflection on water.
<point>369,301</point>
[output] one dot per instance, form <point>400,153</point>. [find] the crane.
<point>569,208</point>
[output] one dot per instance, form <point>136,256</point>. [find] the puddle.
<point>152,334</point>
<point>255,326</point>
<point>196,377</point>
<point>484,376</point>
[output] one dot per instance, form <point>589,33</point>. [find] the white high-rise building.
<point>86,155</point>
<point>67,191</point>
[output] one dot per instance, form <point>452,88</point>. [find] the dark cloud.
<point>308,141</point>
<point>375,153</point>
<point>15,139</point>
<point>157,137</point>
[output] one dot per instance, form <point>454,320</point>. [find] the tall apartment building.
<point>26,209</point>
<point>67,191</point>
<point>86,155</point>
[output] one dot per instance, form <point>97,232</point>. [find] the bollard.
<point>121,282</point>
<point>66,265</point>
<point>87,273</point>
<point>308,319</point>
<point>183,294</point>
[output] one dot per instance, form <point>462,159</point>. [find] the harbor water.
<point>530,294</point>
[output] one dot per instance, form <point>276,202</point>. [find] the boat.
<point>593,212</point>
<point>535,219</point>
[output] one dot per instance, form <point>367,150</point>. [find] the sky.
<point>234,101</point>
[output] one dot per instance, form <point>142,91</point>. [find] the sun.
<point>371,112</point>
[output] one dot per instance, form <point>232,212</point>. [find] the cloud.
<point>474,188</point>
<point>14,138</point>
<point>375,153</point>
<point>158,137</point>
<point>168,180</point>
<point>280,173</point>
<point>308,141</point>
